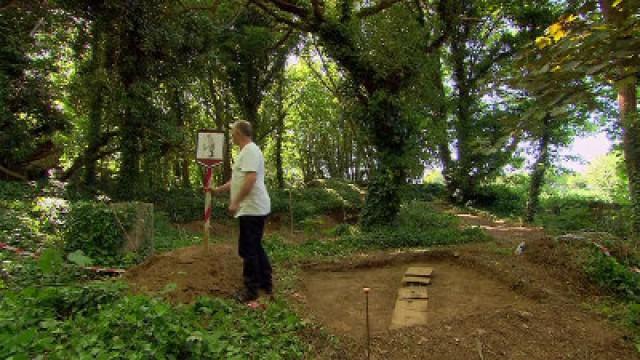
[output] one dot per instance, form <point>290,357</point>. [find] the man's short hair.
<point>244,127</point>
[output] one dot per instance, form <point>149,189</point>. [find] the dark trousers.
<point>256,267</point>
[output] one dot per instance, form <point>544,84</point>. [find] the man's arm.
<point>223,188</point>
<point>249,181</point>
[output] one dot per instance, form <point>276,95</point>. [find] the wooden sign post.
<point>209,153</point>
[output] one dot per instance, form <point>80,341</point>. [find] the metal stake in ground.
<point>366,310</point>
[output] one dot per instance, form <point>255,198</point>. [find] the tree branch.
<point>213,7</point>
<point>318,9</point>
<point>7,5</point>
<point>13,173</point>
<point>318,75</point>
<point>91,154</point>
<point>279,18</point>
<point>290,8</point>
<point>379,7</point>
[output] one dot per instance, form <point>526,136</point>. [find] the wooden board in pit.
<point>409,313</point>
<point>413,293</point>
<point>416,280</point>
<point>413,298</point>
<point>419,271</point>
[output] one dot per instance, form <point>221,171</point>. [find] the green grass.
<point>169,237</point>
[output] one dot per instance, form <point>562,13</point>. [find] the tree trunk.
<point>628,120</point>
<point>131,131</point>
<point>462,180</point>
<point>383,198</point>
<point>444,152</point>
<point>95,109</point>
<point>278,152</point>
<point>93,136</point>
<point>281,115</point>
<point>538,172</point>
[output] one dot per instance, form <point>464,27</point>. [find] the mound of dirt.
<point>194,271</point>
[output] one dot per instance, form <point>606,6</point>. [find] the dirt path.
<point>504,231</point>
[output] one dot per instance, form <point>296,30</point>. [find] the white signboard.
<point>210,147</point>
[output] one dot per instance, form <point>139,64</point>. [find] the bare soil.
<point>338,300</point>
<point>194,271</point>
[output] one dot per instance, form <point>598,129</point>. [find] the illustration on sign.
<point>210,146</point>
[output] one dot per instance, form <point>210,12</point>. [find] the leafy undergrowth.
<point>27,219</point>
<point>419,225</point>
<point>183,205</point>
<point>559,213</point>
<point>169,237</point>
<point>616,276</point>
<point>100,320</point>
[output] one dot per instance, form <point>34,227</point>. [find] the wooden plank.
<point>419,271</point>
<point>409,313</point>
<point>416,280</point>
<point>413,292</point>
<point>417,305</point>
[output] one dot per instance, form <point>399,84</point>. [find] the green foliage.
<point>28,118</point>
<point>98,320</point>
<point>78,258</point>
<point>606,178</point>
<point>99,230</point>
<point>584,214</point>
<point>168,237</point>
<point>501,199</point>
<point>613,276</point>
<point>34,320</point>
<point>321,198</point>
<point>50,260</point>
<point>343,230</point>
<point>383,200</point>
<point>424,192</point>
<point>184,205</point>
<point>420,225</point>
<point>281,251</point>
<point>26,220</point>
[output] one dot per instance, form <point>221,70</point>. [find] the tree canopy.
<point>111,93</point>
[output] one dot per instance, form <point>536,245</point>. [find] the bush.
<point>613,276</point>
<point>98,230</point>
<point>24,222</point>
<point>420,225</point>
<point>569,214</point>
<point>501,199</point>
<point>424,192</point>
<point>184,205</point>
<point>320,198</point>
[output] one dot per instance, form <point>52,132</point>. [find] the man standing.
<point>250,203</point>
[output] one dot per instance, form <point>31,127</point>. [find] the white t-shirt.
<point>257,202</point>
